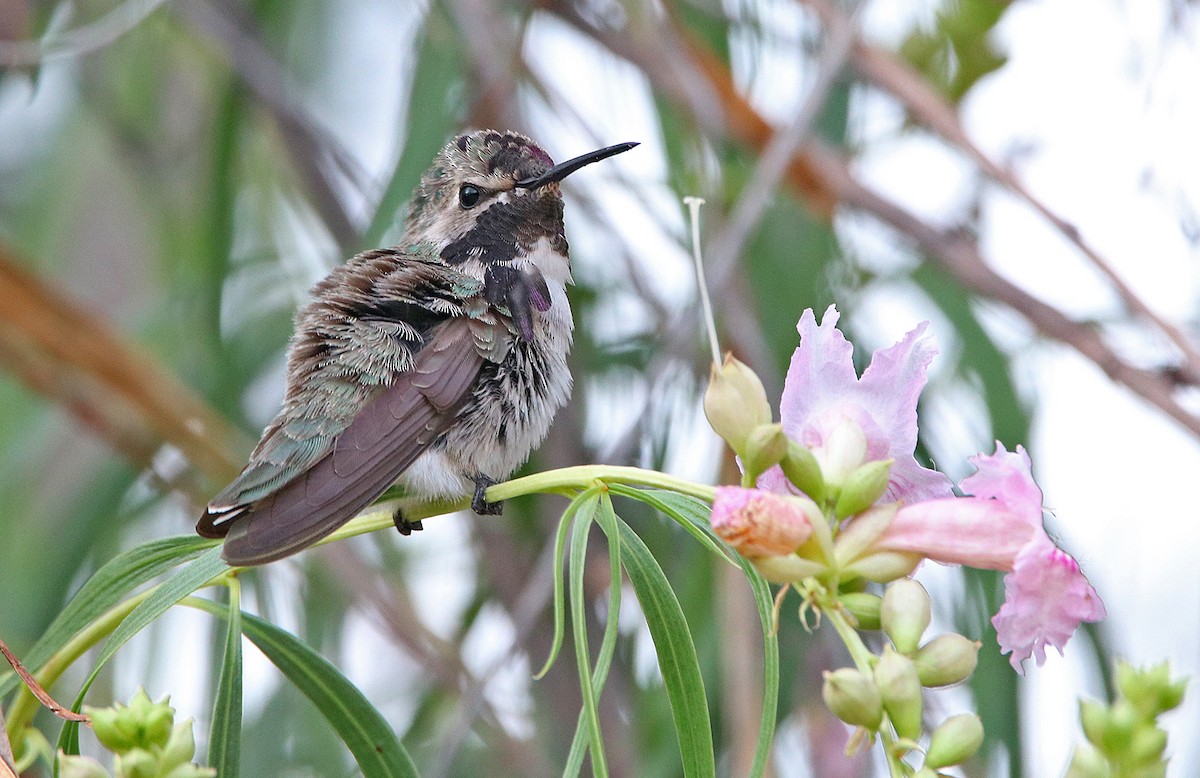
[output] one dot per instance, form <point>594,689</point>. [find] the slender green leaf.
<point>225,735</point>
<point>560,542</point>
<point>186,580</point>
<point>365,732</point>
<point>578,563</point>
<point>116,579</point>
<point>607,519</point>
<point>676,655</point>
<point>766,615</point>
<point>687,512</point>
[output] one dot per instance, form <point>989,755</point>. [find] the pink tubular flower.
<point>1000,528</point>
<point>823,390</point>
<point>760,524</point>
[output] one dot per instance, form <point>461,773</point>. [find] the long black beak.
<point>564,169</point>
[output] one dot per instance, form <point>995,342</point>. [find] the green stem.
<point>26,705</point>
<point>862,660</point>
<point>566,481</point>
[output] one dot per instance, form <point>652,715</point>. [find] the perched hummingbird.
<point>437,364</point>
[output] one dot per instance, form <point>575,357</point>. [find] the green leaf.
<point>766,615</point>
<point>112,582</point>
<point>186,580</point>
<point>361,727</point>
<point>676,655</point>
<point>560,543</point>
<point>688,512</point>
<point>607,519</point>
<point>225,735</point>
<point>578,563</point>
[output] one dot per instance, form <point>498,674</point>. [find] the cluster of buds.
<point>1124,738</point>
<point>145,739</point>
<point>893,686</point>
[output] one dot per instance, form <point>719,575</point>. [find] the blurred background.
<point>175,175</point>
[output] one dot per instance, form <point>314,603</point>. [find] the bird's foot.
<point>403,525</point>
<point>479,502</point>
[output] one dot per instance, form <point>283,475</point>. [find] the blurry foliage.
<point>167,182</point>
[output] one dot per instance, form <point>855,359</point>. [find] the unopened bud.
<point>73,766</point>
<point>900,690</point>
<point>180,748</point>
<point>853,697</point>
<point>1147,745</point>
<point>946,660</point>
<point>735,402</point>
<point>1150,688</point>
<point>766,446</point>
<point>906,614</point>
<point>788,568</point>
<point>1093,718</point>
<point>135,763</point>
<point>1087,762</point>
<point>843,451</point>
<point>1120,722</point>
<point>758,523</point>
<point>955,741</point>
<point>884,566</point>
<point>864,607</point>
<point>802,469</point>
<point>863,488</point>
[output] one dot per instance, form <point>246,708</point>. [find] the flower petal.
<point>1046,597</point>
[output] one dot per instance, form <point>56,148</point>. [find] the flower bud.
<point>861,532</point>
<point>73,766</point>
<point>883,566</point>
<point>1093,718</point>
<point>803,470</point>
<point>955,741</point>
<point>946,660</point>
<point>135,763</point>
<point>762,524</point>
<point>735,402</point>
<point>863,488</point>
<point>1147,746</point>
<point>788,568</point>
<point>191,771</point>
<point>864,607</point>
<point>1150,688</point>
<point>180,748</point>
<point>900,690</point>
<point>1087,762</point>
<point>766,446</point>
<point>843,451</point>
<point>111,734</point>
<point>905,614</point>
<point>1119,723</point>
<point>853,697</point>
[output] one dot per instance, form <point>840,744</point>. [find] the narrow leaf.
<point>225,736</point>
<point>766,615</point>
<point>560,543</point>
<point>578,562</point>
<point>676,655</point>
<point>107,586</point>
<point>687,512</point>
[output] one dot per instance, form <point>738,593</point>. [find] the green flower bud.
<point>111,733</point>
<point>905,614</point>
<point>1120,723</point>
<point>788,568</point>
<point>863,488</point>
<point>864,607</point>
<point>1150,688</point>
<point>735,402</point>
<point>135,763</point>
<point>73,766</point>
<point>900,690</point>
<point>955,741</point>
<point>1147,746</point>
<point>860,533</point>
<point>883,566</point>
<point>946,660</point>
<point>1093,718</point>
<point>180,748</point>
<point>766,446</point>
<point>191,771</point>
<point>1087,762</point>
<point>853,697</point>
<point>803,470</point>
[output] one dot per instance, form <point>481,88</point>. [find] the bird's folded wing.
<point>395,428</point>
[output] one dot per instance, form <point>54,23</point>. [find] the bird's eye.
<point>468,195</point>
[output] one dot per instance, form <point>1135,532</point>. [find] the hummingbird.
<point>437,365</point>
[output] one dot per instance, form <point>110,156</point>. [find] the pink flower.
<point>761,524</point>
<point>823,390</point>
<point>1000,528</point>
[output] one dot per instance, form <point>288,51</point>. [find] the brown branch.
<point>37,691</point>
<point>889,72</point>
<point>74,358</point>
<point>824,181</point>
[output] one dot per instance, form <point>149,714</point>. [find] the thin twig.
<point>37,691</point>
<point>80,40</point>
